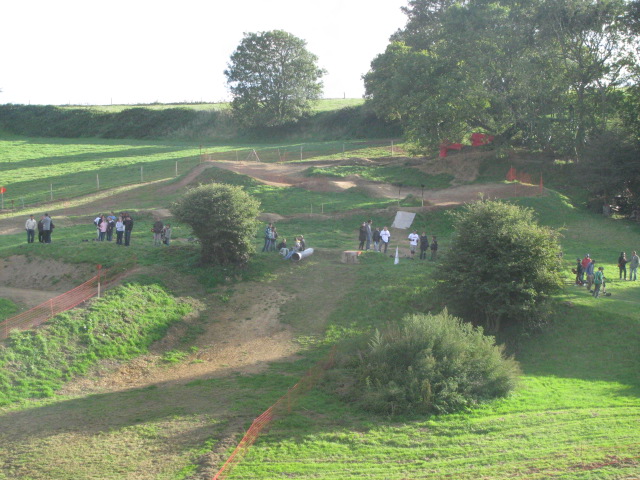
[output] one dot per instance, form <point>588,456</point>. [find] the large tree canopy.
<point>537,72</point>
<point>273,78</point>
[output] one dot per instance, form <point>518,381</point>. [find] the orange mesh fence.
<point>282,406</point>
<point>43,312</point>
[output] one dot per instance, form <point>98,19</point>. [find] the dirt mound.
<point>42,273</point>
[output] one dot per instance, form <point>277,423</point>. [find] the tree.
<point>223,218</point>
<point>501,266</point>
<point>273,79</point>
<point>539,73</point>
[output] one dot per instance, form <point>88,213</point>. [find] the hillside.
<point>177,410</point>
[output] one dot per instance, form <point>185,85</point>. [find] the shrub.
<point>429,364</point>
<point>501,266</point>
<point>223,218</point>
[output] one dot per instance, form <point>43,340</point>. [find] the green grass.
<point>120,325</point>
<point>574,415</point>
<point>7,308</point>
<point>396,175</point>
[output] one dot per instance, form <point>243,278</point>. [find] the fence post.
<point>51,185</point>
<point>176,168</point>
<point>300,152</point>
<point>141,174</point>
<point>392,148</point>
<point>98,181</point>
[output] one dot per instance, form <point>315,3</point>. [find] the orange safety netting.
<point>43,312</point>
<point>282,406</point>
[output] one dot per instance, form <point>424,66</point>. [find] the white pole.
<point>98,181</point>
<point>176,169</point>
<point>392,148</point>
<point>141,174</point>
<point>51,192</point>
<point>301,152</point>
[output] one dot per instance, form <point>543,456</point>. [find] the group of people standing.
<point>107,224</point>
<point>44,226</point>
<point>634,262</point>
<point>588,275</point>
<point>423,242</point>
<point>271,243</point>
<point>376,238</point>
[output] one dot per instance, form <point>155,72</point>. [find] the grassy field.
<point>575,414</point>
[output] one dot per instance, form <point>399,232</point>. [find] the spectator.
<point>376,239</point>
<point>622,265</point>
<point>30,226</point>
<point>47,225</point>
<point>103,228</point>
<point>414,238</point>
<point>119,231</point>
<point>424,245</point>
<point>362,235</point>
<point>267,237</point>
<point>590,274</point>
<point>434,248</point>
<point>128,228</point>
<point>157,233</point>
<point>633,266</point>
<point>40,230</point>
<point>598,281</point>
<point>385,236</point>
<point>166,235</point>
<point>369,234</point>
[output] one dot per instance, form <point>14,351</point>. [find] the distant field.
<point>324,105</point>
<point>41,170</point>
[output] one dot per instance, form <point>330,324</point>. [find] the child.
<point>598,280</point>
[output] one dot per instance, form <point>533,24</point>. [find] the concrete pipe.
<point>300,255</point>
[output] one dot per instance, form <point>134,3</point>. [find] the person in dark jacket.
<point>128,228</point>
<point>622,265</point>
<point>434,248</point>
<point>424,245</point>
<point>362,236</point>
<point>157,233</point>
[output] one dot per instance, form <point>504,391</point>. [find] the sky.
<point>85,52</point>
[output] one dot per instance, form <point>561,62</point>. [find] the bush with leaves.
<point>223,218</point>
<point>428,364</point>
<point>501,266</point>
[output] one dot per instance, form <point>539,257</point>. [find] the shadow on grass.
<point>588,344</point>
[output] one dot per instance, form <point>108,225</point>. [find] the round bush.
<point>429,364</point>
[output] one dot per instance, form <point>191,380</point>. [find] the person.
<point>128,228</point>
<point>590,274</point>
<point>633,266</point>
<point>47,225</point>
<point>111,224</point>
<point>157,232</point>
<point>119,231</point>
<point>40,230</point>
<point>434,248</point>
<point>622,265</point>
<point>376,239</point>
<point>296,248</point>
<point>598,279</point>
<point>273,239</point>
<point>282,247</point>
<point>585,263</point>
<point>103,228</point>
<point>385,236</point>
<point>424,245</point>
<point>579,272</point>
<point>267,237</point>
<point>166,235</point>
<point>30,226</point>
<point>413,242</point>
<point>97,221</point>
<point>369,234</point>
<point>303,244</point>
<point>362,235</point>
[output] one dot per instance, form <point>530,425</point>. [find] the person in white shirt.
<point>30,227</point>
<point>414,238</point>
<point>385,235</point>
